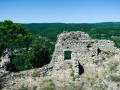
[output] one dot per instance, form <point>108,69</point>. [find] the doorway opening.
<point>67,55</point>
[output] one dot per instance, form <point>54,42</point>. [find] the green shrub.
<point>41,52</point>
<point>115,78</point>
<point>113,66</point>
<point>37,55</point>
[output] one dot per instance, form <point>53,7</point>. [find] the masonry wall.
<point>83,48</point>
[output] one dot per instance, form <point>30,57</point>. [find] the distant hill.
<point>105,30</point>
<point>51,30</point>
<point>113,24</point>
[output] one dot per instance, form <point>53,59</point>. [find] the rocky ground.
<point>104,76</point>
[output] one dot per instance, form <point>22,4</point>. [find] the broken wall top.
<point>77,39</point>
<point>72,36</point>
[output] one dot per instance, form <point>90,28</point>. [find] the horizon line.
<point>64,22</point>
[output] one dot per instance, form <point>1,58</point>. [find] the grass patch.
<point>115,78</point>
<point>47,85</point>
<point>36,73</point>
<point>113,66</point>
<point>23,88</point>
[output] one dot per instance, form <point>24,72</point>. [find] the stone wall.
<point>4,61</point>
<point>90,66</point>
<point>85,52</point>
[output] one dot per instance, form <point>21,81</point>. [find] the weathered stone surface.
<point>84,50</point>
<point>4,61</point>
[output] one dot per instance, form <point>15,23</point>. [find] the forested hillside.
<point>107,30</point>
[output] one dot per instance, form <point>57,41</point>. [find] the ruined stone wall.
<point>4,60</point>
<point>84,50</point>
<point>90,66</point>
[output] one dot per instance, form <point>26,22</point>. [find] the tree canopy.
<point>39,54</point>
<point>13,36</point>
<point>26,51</point>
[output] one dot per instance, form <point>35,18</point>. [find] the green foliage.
<point>14,35</point>
<point>41,50</point>
<point>117,42</point>
<point>2,48</point>
<point>51,30</point>
<point>37,55</point>
<point>21,60</point>
<point>115,78</point>
<point>95,30</point>
<point>104,32</point>
<point>113,66</point>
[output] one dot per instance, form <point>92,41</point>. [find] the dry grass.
<point>47,85</point>
<point>94,77</point>
<point>36,73</point>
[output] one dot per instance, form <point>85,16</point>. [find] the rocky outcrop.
<point>4,62</point>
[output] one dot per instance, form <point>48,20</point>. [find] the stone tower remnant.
<point>83,53</point>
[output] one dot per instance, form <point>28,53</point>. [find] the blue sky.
<point>65,11</point>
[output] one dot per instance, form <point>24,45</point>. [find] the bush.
<point>37,55</point>
<point>41,52</point>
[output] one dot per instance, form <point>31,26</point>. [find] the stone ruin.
<point>4,61</point>
<point>82,51</point>
<point>76,55</point>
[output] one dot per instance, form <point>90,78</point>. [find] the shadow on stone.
<point>81,69</point>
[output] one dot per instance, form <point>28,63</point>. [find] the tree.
<point>41,52</point>
<point>14,36</point>
<point>37,55</point>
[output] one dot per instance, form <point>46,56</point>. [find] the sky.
<point>60,11</point>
